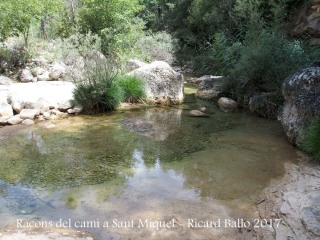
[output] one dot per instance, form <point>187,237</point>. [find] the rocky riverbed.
<point>295,199</point>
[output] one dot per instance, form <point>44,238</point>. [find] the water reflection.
<point>156,124</point>
<point>156,163</point>
<point>155,183</point>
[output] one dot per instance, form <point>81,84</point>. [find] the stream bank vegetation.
<point>103,89</point>
<point>311,142</point>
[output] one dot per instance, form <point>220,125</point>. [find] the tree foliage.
<point>113,20</point>
<point>16,16</point>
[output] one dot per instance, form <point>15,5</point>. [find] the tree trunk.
<point>73,10</point>
<point>43,27</point>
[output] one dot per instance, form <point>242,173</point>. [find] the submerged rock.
<point>197,113</point>
<point>156,124</point>
<point>163,84</point>
<point>301,92</point>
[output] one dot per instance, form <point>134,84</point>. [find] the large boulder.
<point>163,84</point>
<point>209,87</point>
<point>301,92</point>
<point>133,64</point>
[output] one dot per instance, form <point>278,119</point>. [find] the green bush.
<point>266,59</point>
<point>311,143</point>
<point>99,92</point>
<point>133,88</point>
<point>77,45</point>
<point>13,57</point>
<point>156,46</point>
<point>219,57</point>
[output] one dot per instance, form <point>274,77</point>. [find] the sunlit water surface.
<point>158,164</point>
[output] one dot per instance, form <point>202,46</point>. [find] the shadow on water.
<point>150,163</point>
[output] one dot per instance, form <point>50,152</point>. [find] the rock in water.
<point>227,104</point>
<point>197,113</point>
<point>163,84</point>
<point>209,88</point>
<point>301,92</point>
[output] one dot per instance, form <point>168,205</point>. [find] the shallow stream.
<point>154,164</point>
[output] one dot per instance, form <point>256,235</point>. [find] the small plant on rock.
<point>133,88</point>
<point>311,143</point>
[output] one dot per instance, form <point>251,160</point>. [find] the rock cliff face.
<point>302,102</point>
<point>308,21</point>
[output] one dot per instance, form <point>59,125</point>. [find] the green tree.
<point>16,16</point>
<point>113,20</point>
